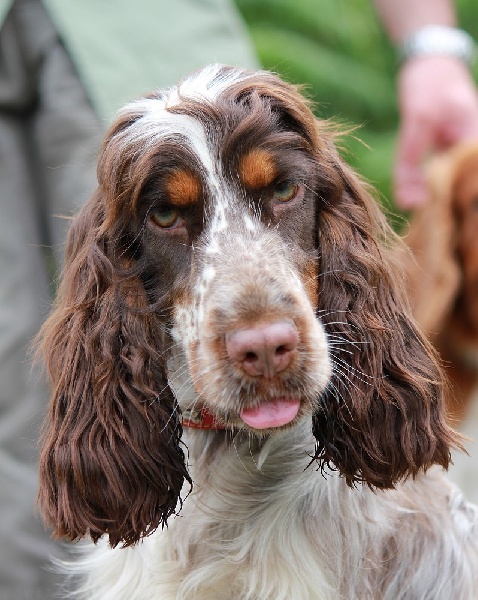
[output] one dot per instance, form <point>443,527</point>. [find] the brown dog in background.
<point>443,237</point>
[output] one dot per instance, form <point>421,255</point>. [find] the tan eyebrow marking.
<point>183,187</point>
<point>257,169</point>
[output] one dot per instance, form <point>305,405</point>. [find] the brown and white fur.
<point>443,279</point>
<point>232,269</point>
<point>443,271</point>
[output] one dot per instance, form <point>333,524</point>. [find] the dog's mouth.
<point>272,414</point>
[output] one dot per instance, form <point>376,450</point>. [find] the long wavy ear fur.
<point>382,418</point>
<point>111,459</point>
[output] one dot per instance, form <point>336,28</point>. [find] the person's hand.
<point>438,104</point>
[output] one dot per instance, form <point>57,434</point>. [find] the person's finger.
<point>414,142</point>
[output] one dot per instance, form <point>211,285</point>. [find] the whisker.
<point>349,367</point>
<point>338,396</point>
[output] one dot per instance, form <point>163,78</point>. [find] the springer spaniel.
<point>443,271</point>
<point>229,294</point>
<point>443,279</point>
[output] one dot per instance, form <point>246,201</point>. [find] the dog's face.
<point>229,216</point>
<point>465,204</point>
<point>227,248</point>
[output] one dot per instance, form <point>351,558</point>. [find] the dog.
<point>443,278</point>
<point>242,405</point>
<point>443,270</point>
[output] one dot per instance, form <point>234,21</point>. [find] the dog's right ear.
<point>382,419</point>
<point>111,459</point>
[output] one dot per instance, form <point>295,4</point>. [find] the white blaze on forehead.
<point>157,124</point>
<point>207,84</point>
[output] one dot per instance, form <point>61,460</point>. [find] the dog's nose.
<point>264,350</point>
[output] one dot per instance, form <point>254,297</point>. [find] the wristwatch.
<point>438,40</point>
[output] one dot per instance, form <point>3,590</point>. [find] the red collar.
<point>200,418</point>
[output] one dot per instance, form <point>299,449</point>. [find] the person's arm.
<point>438,100</point>
<point>403,17</point>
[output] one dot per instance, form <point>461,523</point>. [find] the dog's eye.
<point>285,191</point>
<point>166,217</point>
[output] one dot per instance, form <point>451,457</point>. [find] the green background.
<point>340,51</point>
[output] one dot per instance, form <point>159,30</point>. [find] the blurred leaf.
<point>338,49</point>
<point>342,85</point>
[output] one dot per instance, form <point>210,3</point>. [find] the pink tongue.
<point>271,414</point>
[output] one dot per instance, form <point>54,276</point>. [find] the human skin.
<point>437,97</point>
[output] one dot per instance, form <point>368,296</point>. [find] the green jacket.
<point>124,48</point>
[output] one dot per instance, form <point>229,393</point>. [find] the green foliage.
<point>338,49</point>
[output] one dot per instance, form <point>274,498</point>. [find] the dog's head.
<point>229,250</point>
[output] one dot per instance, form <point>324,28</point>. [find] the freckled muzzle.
<point>258,356</point>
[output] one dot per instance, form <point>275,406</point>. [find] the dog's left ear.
<point>382,418</point>
<point>112,461</point>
